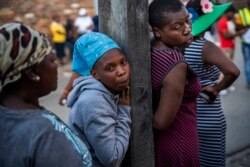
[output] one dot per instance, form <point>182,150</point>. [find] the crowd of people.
<point>63,33</point>
<point>188,74</point>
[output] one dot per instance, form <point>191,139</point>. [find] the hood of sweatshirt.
<point>85,83</point>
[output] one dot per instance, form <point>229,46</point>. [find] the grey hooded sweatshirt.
<point>102,123</point>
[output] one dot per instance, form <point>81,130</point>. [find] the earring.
<point>37,78</point>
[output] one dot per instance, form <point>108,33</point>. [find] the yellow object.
<point>238,20</point>
<point>244,17</point>
<point>58,32</point>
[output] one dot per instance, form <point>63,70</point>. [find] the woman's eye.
<point>109,68</point>
<point>124,62</point>
<point>177,27</point>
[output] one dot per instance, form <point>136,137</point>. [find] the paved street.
<point>236,106</point>
<point>239,159</point>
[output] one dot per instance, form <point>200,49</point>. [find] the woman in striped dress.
<point>208,60</point>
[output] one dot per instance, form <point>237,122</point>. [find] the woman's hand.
<point>63,98</point>
<point>210,89</point>
<point>124,97</point>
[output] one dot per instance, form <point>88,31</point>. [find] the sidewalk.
<point>239,159</point>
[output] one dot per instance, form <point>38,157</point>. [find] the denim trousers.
<point>246,59</point>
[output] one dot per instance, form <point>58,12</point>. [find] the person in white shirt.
<point>83,22</point>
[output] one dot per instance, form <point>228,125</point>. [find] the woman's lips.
<point>125,82</point>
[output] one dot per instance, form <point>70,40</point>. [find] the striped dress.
<point>178,145</point>
<point>210,118</point>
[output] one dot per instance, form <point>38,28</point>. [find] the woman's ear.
<point>32,75</point>
<point>95,74</point>
<point>156,32</point>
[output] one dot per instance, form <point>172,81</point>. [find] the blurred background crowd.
<point>62,20</point>
<point>38,13</point>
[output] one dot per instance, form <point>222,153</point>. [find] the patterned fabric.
<point>77,143</point>
<point>210,117</point>
<point>38,138</point>
<point>20,48</point>
<point>178,145</point>
<point>88,49</point>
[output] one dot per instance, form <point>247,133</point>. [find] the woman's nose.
<point>120,71</point>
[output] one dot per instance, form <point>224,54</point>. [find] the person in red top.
<point>227,34</point>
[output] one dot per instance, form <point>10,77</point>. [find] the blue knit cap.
<point>88,49</point>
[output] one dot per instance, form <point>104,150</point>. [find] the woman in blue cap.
<point>208,60</point>
<point>99,101</point>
